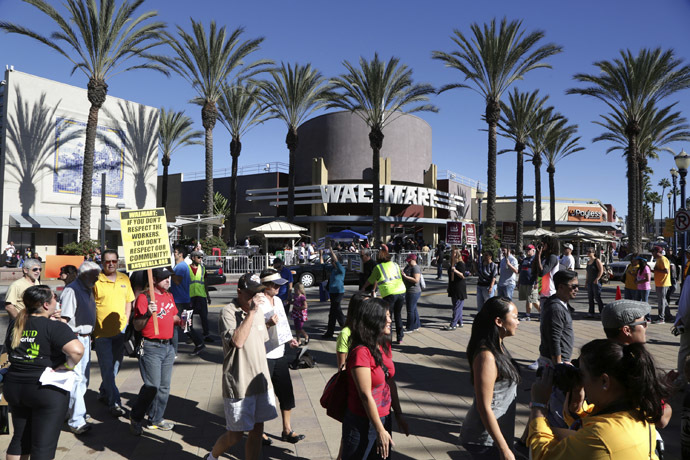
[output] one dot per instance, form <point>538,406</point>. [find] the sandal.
<point>291,437</point>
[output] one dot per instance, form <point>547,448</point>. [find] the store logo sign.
<point>584,214</point>
<point>390,194</point>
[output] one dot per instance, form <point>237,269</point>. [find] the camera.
<point>678,330</point>
<point>566,376</point>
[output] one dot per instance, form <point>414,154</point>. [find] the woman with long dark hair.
<point>371,389</point>
<point>622,383</point>
<point>489,426</point>
<point>35,341</point>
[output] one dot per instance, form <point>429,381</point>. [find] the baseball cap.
<point>622,312</point>
<point>159,274</point>
<point>531,246</point>
<point>411,257</point>
<point>196,254</point>
<point>274,278</point>
<point>568,246</point>
<point>250,282</point>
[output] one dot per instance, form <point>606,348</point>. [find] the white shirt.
<point>568,262</point>
<point>507,277</point>
<point>10,250</point>
<point>279,310</point>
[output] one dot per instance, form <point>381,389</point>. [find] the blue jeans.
<point>457,311</point>
<point>109,351</point>
<point>506,291</point>
<point>359,436</point>
<point>630,294</point>
<point>483,294</point>
<point>642,295</point>
<point>411,299</point>
<point>594,293</point>
<point>77,406</point>
<point>155,366</point>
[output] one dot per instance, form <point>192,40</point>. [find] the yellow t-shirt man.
<point>16,291</point>
<point>111,298</point>
<point>662,279</point>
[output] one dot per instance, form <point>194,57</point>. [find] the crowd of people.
<point>608,403</point>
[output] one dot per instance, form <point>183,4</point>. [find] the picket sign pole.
<point>152,294</point>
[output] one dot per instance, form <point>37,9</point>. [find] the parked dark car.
<point>313,274</point>
<point>214,271</point>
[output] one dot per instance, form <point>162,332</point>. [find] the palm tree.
<point>519,118</point>
<point>174,131</point>
<point>206,62</point>
<point>536,142</point>
<point>560,144</point>
<point>379,92</point>
<point>98,38</point>
<point>664,184</point>
<point>654,198</point>
<point>629,85</point>
<point>240,110</point>
<point>221,207</point>
<point>493,59</point>
<point>292,95</point>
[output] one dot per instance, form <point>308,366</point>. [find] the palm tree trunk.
<point>376,142</point>
<point>552,196</point>
<point>96,93</point>
<point>634,239</point>
<point>164,184</point>
<point>209,114</point>
<point>235,149</point>
<point>493,113</point>
<point>291,140</point>
<point>537,191</point>
<point>520,197</point>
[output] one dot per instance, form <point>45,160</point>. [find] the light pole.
<point>480,197</point>
<point>669,195</point>
<point>683,163</point>
<point>674,178</point>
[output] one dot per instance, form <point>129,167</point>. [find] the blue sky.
<point>325,33</point>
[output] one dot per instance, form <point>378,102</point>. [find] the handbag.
<point>334,397</point>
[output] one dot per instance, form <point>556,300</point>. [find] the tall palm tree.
<point>493,59</point>
<point>175,130</point>
<point>98,38</point>
<point>379,92</point>
<point>536,142</point>
<point>560,144</point>
<point>629,85</point>
<point>241,109</point>
<point>292,94</point>
<point>664,184</point>
<point>206,62</point>
<point>653,198</point>
<point>519,118</point>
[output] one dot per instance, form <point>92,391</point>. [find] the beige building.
<point>42,133</point>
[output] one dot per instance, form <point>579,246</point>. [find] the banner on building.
<point>454,233</point>
<point>145,239</point>
<point>470,234</point>
<point>509,233</point>
<point>585,214</point>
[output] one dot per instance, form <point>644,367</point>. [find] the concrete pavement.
<point>431,373</point>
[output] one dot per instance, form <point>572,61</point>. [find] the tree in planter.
<point>98,39</point>
<point>86,248</point>
<point>221,207</point>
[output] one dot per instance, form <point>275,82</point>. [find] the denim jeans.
<point>630,294</point>
<point>109,351</point>
<point>642,295</point>
<point>77,406</point>
<point>594,293</point>
<point>396,302</point>
<point>506,291</point>
<point>411,299</point>
<point>359,437</point>
<point>483,294</point>
<point>457,311</point>
<point>155,366</point>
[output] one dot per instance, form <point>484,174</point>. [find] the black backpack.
<point>303,360</point>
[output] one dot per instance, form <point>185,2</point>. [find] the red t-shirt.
<point>361,357</point>
<point>166,315</point>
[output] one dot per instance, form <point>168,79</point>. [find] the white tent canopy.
<point>198,220</point>
<point>278,229</point>
<point>538,232</point>
<point>580,233</point>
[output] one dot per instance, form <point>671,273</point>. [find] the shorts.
<point>242,414</point>
<point>528,293</point>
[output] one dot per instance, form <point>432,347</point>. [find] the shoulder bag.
<point>334,397</point>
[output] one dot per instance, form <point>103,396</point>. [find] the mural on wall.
<point>109,158</point>
<point>461,211</point>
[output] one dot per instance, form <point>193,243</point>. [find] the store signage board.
<point>585,214</point>
<point>454,233</point>
<point>470,234</point>
<point>669,228</point>
<point>509,233</point>
<point>145,239</point>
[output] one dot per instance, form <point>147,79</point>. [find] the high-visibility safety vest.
<point>389,279</point>
<point>196,285</point>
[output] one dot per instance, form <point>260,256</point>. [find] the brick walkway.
<point>431,373</point>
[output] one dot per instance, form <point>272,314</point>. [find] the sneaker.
<point>208,339</point>
<point>526,318</point>
<point>410,331</point>
<point>448,328</point>
<point>589,315</point>
<point>534,366</point>
<point>198,349</point>
<point>658,321</point>
<point>80,430</point>
<point>136,428</point>
<point>163,425</point>
<point>117,411</point>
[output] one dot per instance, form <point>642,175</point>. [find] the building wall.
<point>342,140</point>
<point>43,144</point>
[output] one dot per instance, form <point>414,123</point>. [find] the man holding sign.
<point>114,297</point>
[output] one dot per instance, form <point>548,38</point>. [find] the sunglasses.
<point>35,269</point>
<point>110,261</point>
<point>642,323</point>
<point>574,286</point>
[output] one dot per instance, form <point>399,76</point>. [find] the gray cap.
<point>623,312</point>
<point>196,254</point>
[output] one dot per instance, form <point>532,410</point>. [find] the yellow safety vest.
<point>196,286</point>
<point>389,279</point>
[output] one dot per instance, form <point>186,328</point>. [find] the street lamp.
<point>674,178</point>
<point>480,196</point>
<point>683,163</point>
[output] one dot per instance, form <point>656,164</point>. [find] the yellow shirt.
<point>616,436</point>
<point>111,298</point>
<point>662,279</point>
<point>630,277</point>
<point>16,291</point>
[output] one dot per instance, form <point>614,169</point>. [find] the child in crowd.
<point>299,311</point>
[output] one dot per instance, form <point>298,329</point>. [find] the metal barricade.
<point>257,264</point>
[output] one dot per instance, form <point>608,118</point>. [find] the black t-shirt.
<point>40,347</point>
<point>457,287</point>
<point>367,269</point>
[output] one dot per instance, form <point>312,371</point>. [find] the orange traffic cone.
<point>618,293</point>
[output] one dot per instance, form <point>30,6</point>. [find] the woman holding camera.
<point>622,383</point>
<point>489,426</point>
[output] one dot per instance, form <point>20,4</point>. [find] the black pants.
<point>282,382</point>
<point>38,412</point>
<point>335,313</point>
<point>200,307</point>
<point>396,302</point>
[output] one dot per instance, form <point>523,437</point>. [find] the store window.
<point>65,238</point>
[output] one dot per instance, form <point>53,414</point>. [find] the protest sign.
<point>454,233</point>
